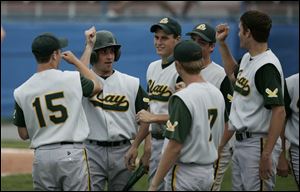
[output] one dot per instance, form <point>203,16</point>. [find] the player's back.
<point>206,105</point>
<point>51,101</point>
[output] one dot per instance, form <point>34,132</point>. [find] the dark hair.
<point>258,23</point>
<point>42,59</point>
<point>192,67</point>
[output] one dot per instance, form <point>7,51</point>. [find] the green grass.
<point>24,182</point>
<point>17,183</point>
<point>6,143</point>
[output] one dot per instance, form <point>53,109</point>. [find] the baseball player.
<point>49,111</point>
<point>162,78</point>
<point>205,36</point>
<point>291,129</point>
<point>196,117</point>
<point>111,114</point>
<point>257,111</point>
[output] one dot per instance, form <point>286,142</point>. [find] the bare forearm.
<point>85,58</point>
<point>23,133</point>
<point>226,136</point>
<point>87,73</point>
<point>275,129</point>
<point>160,118</point>
<point>229,62</point>
<point>147,144</point>
<point>168,159</point>
<point>141,134</point>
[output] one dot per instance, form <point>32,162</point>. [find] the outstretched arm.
<point>90,38</point>
<point>167,160</point>
<point>83,69</point>
<point>230,64</point>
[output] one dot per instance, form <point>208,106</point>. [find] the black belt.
<point>240,136</point>
<point>69,143</point>
<point>157,136</point>
<point>109,143</point>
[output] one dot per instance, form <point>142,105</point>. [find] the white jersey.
<point>161,85</point>
<point>207,107</point>
<point>111,115</point>
<point>214,74</point>
<point>247,108</point>
<point>52,104</point>
<point>292,125</point>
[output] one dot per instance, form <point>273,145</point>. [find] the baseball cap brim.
<point>165,28</point>
<point>63,42</point>
<point>200,34</point>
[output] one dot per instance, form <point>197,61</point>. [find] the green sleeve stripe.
<point>18,117</point>
<point>141,101</point>
<point>87,86</point>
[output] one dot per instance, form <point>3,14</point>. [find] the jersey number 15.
<point>50,106</point>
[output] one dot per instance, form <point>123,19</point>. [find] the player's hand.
<point>265,166</point>
<point>130,158</point>
<point>70,57</point>
<point>90,36</point>
<point>222,31</point>
<point>145,160</point>
<point>144,116</point>
<point>179,86</point>
<point>283,166</point>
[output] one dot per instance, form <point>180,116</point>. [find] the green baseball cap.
<point>45,44</point>
<point>205,31</point>
<point>187,50</point>
<point>168,25</point>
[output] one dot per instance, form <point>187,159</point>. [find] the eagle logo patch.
<point>229,97</point>
<point>201,27</point>
<point>171,127</point>
<point>164,20</point>
<point>272,93</point>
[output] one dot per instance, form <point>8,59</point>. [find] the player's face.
<point>106,59</point>
<point>242,36</point>
<point>164,43</point>
<point>207,47</point>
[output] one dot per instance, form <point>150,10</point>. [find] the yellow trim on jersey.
<point>88,169</point>
<point>173,181</point>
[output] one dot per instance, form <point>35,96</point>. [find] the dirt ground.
<point>16,161</point>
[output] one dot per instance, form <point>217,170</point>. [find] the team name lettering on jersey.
<point>242,85</point>
<point>159,92</point>
<point>111,102</point>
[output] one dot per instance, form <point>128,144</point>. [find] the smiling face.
<point>164,43</point>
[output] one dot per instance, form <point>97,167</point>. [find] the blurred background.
<point>130,22</point>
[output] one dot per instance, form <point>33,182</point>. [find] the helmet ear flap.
<point>94,57</point>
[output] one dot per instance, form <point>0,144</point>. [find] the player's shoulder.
<point>293,77</point>
<point>154,64</point>
<point>125,76</point>
<point>216,68</point>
